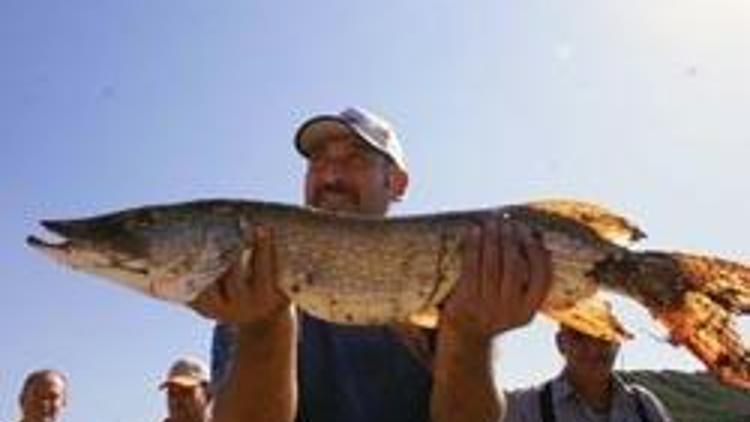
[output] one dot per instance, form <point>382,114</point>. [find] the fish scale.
<point>398,266</point>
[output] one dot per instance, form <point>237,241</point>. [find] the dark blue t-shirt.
<point>359,374</point>
<point>350,374</point>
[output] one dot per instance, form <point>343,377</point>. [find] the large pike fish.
<point>359,270</point>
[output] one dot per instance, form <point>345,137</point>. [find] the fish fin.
<point>184,289</point>
<point>209,267</point>
<point>708,330</point>
<point>593,317</point>
<point>426,318</point>
<point>603,222</point>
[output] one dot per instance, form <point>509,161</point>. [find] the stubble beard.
<point>336,200</point>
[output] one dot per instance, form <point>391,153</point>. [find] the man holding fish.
<point>289,365</point>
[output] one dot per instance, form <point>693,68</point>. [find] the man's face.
<point>343,174</point>
<point>586,354</point>
<point>44,399</point>
<point>186,403</point>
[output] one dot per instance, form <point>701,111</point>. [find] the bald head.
<point>43,395</point>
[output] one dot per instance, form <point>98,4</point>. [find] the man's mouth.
<point>337,200</point>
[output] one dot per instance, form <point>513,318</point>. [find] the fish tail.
<point>727,283</point>
<point>697,299</point>
<point>708,329</point>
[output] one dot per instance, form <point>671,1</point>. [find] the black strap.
<point>545,403</point>
<point>639,406</point>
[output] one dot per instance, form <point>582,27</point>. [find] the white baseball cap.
<point>368,127</point>
<point>186,371</point>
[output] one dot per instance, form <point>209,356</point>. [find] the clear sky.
<point>639,105</point>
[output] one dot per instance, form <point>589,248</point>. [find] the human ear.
<point>398,181</point>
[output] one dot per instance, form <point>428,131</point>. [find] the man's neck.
<point>595,391</point>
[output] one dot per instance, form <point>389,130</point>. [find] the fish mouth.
<point>64,230</point>
<point>39,243</point>
<point>76,245</point>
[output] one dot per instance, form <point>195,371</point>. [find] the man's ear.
<point>398,182</point>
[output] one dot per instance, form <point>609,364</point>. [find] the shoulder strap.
<point>545,403</point>
<point>639,406</point>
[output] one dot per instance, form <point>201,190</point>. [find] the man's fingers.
<point>470,263</point>
<point>229,289</point>
<point>247,291</point>
<point>532,275</point>
<point>233,285</point>
<point>513,276</point>
<point>260,257</point>
<point>489,256</point>
<point>540,268</point>
<point>526,252</point>
<point>207,303</point>
<point>218,297</point>
<point>225,285</point>
<point>473,246</point>
<point>263,262</point>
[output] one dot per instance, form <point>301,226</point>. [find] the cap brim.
<point>594,318</point>
<point>320,128</point>
<point>619,335</point>
<point>182,381</point>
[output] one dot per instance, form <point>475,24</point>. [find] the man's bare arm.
<point>261,386</point>
<point>262,383</point>
<point>463,387</point>
<point>506,276</point>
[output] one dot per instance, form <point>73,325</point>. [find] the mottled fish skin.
<point>361,270</point>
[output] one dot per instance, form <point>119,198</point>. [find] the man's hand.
<point>505,278</point>
<point>247,292</point>
<point>264,363</point>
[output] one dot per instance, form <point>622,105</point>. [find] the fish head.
<point>154,250</point>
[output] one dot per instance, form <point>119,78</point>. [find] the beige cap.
<point>594,317</point>
<point>368,127</point>
<point>186,371</point>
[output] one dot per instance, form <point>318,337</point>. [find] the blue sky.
<point>107,104</point>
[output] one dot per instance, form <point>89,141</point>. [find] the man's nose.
<point>332,173</point>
